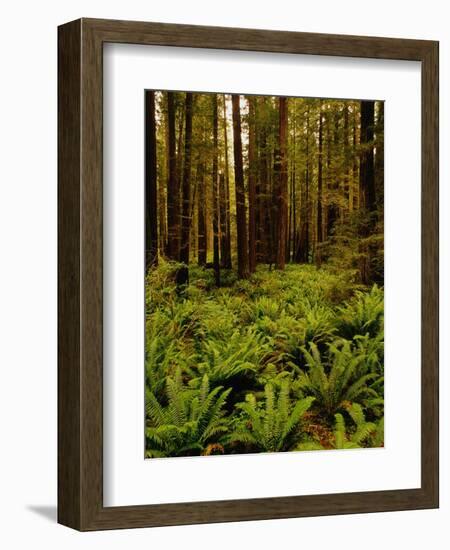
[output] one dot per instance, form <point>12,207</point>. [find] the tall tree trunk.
<point>162,209</point>
<point>151,193</point>
<point>294,212</point>
<point>263,193</point>
<point>201,213</point>
<point>173,191</point>
<point>193,226</point>
<point>379,156</point>
<point>183,277</point>
<point>355,165</point>
<point>294,186</point>
<point>291,202</point>
<point>307,201</point>
<point>329,176</point>
<point>223,219</point>
<point>366,185</point>
<point>282,187</point>
<point>302,253</point>
<point>215,194</point>
<point>242,238</point>
<point>179,156</point>
<point>346,159</point>
<point>226,239</point>
<point>252,185</point>
<point>333,205</point>
<point>320,181</point>
<point>367,174</point>
<point>320,235</point>
<point>165,178</point>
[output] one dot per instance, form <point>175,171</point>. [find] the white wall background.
<point>28,272</point>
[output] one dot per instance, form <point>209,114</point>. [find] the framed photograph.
<point>248,274</point>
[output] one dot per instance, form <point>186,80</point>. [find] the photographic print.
<point>264,326</point>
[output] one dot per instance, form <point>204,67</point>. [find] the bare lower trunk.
<point>242,237</point>
<point>151,194</point>
<point>186,193</point>
<point>252,186</point>
<point>281,187</point>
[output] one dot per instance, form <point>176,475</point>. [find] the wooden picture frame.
<point>80,271</point>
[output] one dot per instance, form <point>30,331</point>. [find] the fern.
<point>275,426</point>
<point>223,361</point>
<point>192,419</point>
<point>363,314</point>
<point>263,364</point>
<point>362,434</point>
<point>341,378</point>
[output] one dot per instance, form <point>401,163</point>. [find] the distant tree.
<point>293,200</point>
<point>302,251</point>
<point>173,190</point>
<point>202,239</point>
<point>347,159</point>
<point>320,236</point>
<point>215,193</point>
<point>366,186</point>
<point>367,172</point>
<point>252,167</point>
<point>333,206</point>
<point>151,192</point>
<point>222,219</point>
<point>242,237</point>
<point>183,276</point>
<point>355,163</point>
<point>263,243</point>
<point>379,155</point>
<point>282,185</point>
<point>225,250</point>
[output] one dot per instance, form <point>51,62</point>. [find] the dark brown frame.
<point>80,271</point>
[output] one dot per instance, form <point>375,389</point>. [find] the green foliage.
<point>267,307</point>
<point>224,360</point>
<point>270,361</point>
<point>360,434</point>
<point>355,242</point>
<point>161,358</point>
<point>319,323</point>
<point>274,425</point>
<point>363,314</point>
<point>338,377</point>
<point>191,419</point>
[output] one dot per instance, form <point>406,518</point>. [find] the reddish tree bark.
<point>226,235</point>
<point>242,237</point>
<point>320,181</point>
<point>201,214</point>
<point>183,274</point>
<point>302,252</point>
<point>367,173</point>
<point>173,190</point>
<point>151,193</point>
<point>215,194</point>
<point>282,186</point>
<point>366,185</point>
<point>252,185</point>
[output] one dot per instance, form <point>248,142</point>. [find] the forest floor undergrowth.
<point>284,361</point>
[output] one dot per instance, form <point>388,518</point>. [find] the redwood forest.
<point>264,274</point>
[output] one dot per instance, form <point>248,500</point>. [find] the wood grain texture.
<point>80,264</point>
<point>430,272</point>
<point>69,245</point>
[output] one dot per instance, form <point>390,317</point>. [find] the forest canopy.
<point>264,273</point>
